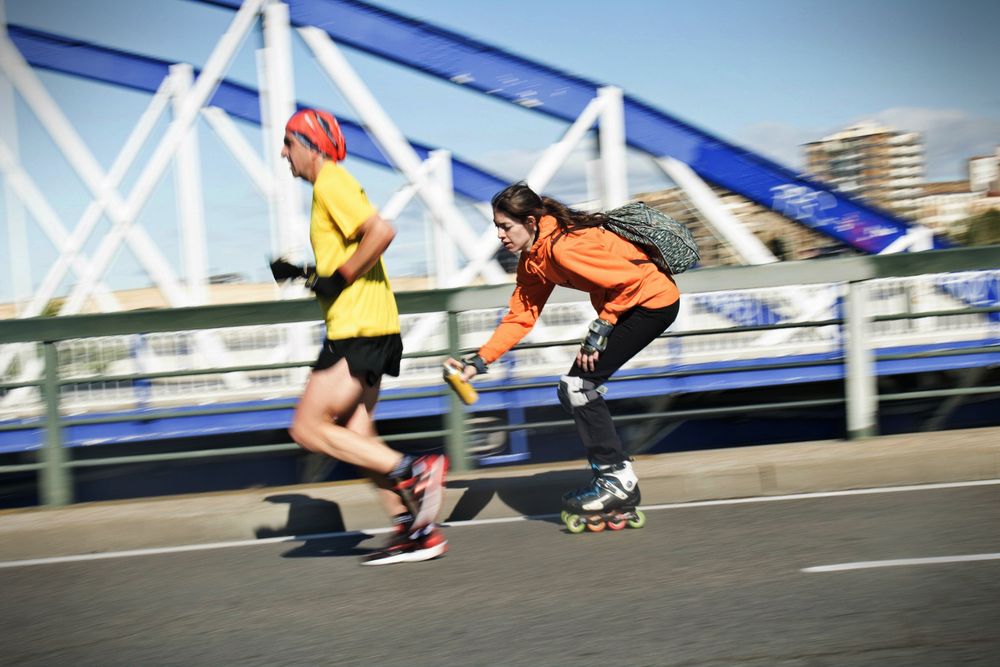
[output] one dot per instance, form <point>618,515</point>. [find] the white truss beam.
<point>124,213</point>
<point>103,186</point>
<point>917,238</point>
<point>399,200</point>
<point>246,157</point>
<point>554,157</point>
<point>611,139</point>
<point>24,189</point>
<point>19,259</point>
<point>93,176</point>
<point>394,145</point>
<point>444,263</point>
<point>747,247</point>
<point>277,104</point>
<point>188,193</point>
<point>91,216</point>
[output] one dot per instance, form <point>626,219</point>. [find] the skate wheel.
<point>575,524</point>
<point>639,521</point>
<point>617,524</point>
<point>596,527</point>
<point>564,515</point>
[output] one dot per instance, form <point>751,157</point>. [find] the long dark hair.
<point>519,201</point>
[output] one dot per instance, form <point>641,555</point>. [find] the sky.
<point>767,75</point>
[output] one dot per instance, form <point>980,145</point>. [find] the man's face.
<point>299,157</point>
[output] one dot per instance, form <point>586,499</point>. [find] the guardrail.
<point>55,465</point>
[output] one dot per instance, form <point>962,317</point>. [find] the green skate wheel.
<point>575,524</point>
<point>639,521</point>
<point>563,516</point>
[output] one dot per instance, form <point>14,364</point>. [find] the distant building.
<point>943,205</point>
<point>984,172</point>
<point>878,165</point>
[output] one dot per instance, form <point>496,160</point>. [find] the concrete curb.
<point>946,456</point>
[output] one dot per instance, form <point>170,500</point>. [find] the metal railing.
<point>855,274</point>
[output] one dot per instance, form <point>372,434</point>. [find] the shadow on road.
<point>305,515</point>
<point>535,496</point>
<point>532,496</point>
<point>309,516</point>
<point>329,547</point>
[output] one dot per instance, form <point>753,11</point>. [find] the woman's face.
<point>516,236</point>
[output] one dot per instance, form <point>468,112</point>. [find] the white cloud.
<point>951,136</point>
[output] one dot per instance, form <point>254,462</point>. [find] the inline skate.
<point>609,501</point>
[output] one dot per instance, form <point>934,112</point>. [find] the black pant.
<point>634,331</point>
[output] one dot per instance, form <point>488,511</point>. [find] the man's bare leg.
<point>363,422</point>
<point>333,394</point>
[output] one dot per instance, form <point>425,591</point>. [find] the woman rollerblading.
<point>635,302</point>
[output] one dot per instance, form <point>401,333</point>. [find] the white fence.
<point>246,346</point>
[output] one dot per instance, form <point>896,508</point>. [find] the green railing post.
<point>56,486</point>
<point>455,420</point>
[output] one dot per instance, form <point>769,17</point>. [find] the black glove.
<point>283,270</point>
<point>476,362</point>
<point>597,336</point>
<point>328,286</point>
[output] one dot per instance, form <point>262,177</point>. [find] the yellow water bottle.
<point>461,386</point>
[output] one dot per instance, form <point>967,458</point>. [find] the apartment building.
<point>878,165</point>
<point>946,206</point>
<point>984,172</point>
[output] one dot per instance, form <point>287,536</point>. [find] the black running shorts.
<point>368,357</point>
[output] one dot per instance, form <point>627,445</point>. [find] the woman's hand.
<point>587,361</point>
<point>468,370</point>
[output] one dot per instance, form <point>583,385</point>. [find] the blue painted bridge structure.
<point>486,69</point>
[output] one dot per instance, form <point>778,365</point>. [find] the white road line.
<point>133,553</point>
<point>827,494</point>
<point>901,562</point>
<point>154,551</point>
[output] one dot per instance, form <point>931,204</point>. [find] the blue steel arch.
<point>490,70</point>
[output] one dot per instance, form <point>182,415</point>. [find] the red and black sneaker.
<point>423,490</point>
<point>406,546</point>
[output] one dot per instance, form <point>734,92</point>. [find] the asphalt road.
<point>702,585</point>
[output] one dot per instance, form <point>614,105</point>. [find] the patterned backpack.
<point>667,242</point>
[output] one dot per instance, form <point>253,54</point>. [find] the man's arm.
<point>376,234</point>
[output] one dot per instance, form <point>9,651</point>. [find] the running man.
<point>335,414</point>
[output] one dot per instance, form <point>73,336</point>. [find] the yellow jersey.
<point>367,306</point>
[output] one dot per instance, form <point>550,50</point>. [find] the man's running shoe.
<point>403,547</point>
<point>423,490</point>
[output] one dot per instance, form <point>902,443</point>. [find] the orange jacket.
<point>617,275</point>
